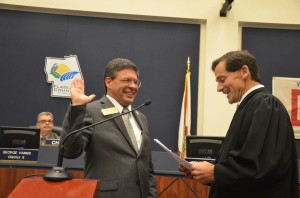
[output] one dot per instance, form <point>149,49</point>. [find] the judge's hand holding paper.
<point>202,171</point>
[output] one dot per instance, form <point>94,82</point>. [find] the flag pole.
<point>185,116</point>
<point>188,64</point>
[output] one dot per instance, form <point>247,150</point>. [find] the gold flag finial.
<point>188,64</point>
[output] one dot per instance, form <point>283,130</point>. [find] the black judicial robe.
<point>258,157</point>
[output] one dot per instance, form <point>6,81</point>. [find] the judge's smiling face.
<point>230,83</point>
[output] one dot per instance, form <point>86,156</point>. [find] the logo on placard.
<point>60,72</point>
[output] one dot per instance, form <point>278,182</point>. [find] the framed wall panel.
<point>159,49</point>
<point>277,51</point>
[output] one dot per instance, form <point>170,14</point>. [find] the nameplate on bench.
<point>11,155</point>
<point>52,142</point>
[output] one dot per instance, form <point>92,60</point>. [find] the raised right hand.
<point>78,96</point>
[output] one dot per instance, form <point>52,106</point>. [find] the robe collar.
<point>249,91</point>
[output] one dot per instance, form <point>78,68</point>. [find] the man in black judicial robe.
<point>258,155</point>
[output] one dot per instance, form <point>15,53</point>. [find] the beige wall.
<point>218,34</point>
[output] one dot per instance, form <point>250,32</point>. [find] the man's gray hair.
<point>44,113</point>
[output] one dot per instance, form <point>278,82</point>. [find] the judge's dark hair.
<point>235,60</point>
<point>117,65</point>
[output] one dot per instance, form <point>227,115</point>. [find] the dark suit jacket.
<point>110,155</point>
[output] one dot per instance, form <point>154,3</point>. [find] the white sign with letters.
<point>288,91</point>
<point>60,72</point>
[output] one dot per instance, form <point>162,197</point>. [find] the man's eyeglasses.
<point>128,82</point>
<point>45,121</point>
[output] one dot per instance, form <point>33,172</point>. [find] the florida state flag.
<point>185,116</point>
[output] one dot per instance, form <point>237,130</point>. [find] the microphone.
<point>58,173</point>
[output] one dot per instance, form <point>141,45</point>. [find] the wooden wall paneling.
<point>180,187</point>
<point>10,177</point>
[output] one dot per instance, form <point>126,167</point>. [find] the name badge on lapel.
<point>109,111</point>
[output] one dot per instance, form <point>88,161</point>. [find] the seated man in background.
<point>45,124</point>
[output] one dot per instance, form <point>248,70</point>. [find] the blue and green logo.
<point>62,72</point>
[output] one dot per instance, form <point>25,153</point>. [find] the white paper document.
<point>176,157</point>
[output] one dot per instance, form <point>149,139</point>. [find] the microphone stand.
<point>59,173</point>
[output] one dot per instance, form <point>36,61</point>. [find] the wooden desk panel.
<point>74,188</point>
<point>10,177</point>
<point>175,187</point>
<point>180,187</point>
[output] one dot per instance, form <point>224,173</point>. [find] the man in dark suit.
<point>122,163</point>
